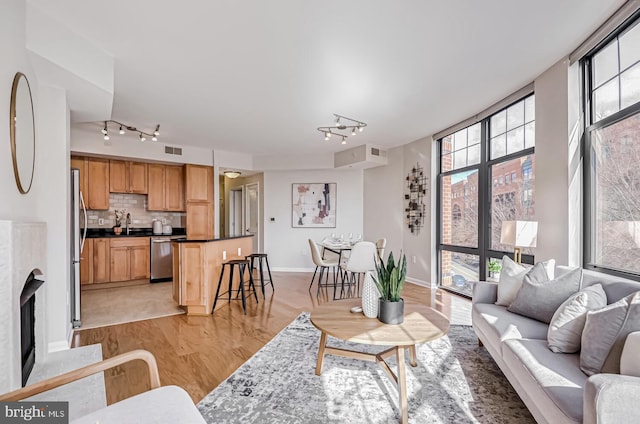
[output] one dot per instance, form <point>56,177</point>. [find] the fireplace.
<point>28,325</point>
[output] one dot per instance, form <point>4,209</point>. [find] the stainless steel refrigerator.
<point>78,235</point>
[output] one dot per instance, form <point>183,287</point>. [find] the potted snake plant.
<point>389,280</point>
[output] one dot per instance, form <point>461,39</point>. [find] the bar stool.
<point>260,257</point>
<point>242,265</point>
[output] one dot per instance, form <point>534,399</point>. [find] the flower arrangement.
<point>120,213</point>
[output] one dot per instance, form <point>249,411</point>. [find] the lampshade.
<point>231,174</point>
<point>519,233</point>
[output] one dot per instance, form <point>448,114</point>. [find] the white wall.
<point>13,205</point>
<point>50,177</point>
<point>87,139</point>
<point>552,159</point>
<point>288,247</point>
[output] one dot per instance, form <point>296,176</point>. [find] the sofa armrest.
<point>611,399</point>
<point>629,364</point>
<point>484,292</point>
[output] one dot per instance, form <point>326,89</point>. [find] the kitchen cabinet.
<point>101,260</point>
<point>97,184</point>
<point>196,272</point>
<point>81,164</point>
<point>128,177</point>
<point>199,220</point>
<point>129,258</point>
<point>199,183</point>
<point>199,199</point>
<point>166,188</point>
<point>94,181</point>
<point>86,262</point>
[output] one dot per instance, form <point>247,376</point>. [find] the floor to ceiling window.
<point>612,154</point>
<point>487,175</point>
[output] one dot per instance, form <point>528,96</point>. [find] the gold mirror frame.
<point>13,136</point>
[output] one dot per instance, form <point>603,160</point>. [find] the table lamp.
<point>519,234</point>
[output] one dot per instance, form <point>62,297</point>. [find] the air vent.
<point>173,150</point>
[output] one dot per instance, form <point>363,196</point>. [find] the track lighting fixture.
<point>124,127</point>
<point>340,124</point>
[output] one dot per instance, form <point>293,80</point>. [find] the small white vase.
<point>370,296</point>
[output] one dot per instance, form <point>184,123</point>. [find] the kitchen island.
<point>196,270</point>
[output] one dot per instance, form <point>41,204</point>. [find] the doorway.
<point>235,212</point>
<point>252,214</point>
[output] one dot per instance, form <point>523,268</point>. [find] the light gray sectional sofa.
<point>552,385</point>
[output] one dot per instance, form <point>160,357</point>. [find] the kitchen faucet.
<point>128,222</point>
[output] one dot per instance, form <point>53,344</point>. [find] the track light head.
<point>121,130</point>
<point>157,131</point>
<point>344,140</point>
<point>353,132</point>
<point>154,138</point>
<point>142,137</point>
<point>360,128</point>
<point>106,137</point>
<point>104,130</point>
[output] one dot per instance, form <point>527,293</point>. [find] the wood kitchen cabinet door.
<point>98,184</point>
<point>139,262</point>
<point>192,284</point>
<point>137,173</point>
<point>86,263</point>
<point>156,197</point>
<point>120,264</point>
<point>81,164</point>
<point>118,176</point>
<point>199,183</point>
<point>174,188</point>
<point>101,260</point>
<point>199,220</point>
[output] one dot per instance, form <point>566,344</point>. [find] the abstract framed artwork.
<point>313,205</point>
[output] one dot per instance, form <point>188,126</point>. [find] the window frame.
<point>589,128</point>
<point>486,185</point>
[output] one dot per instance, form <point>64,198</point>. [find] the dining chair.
<point>362,259</point>
<point>380,245</point>
<point>324,265</point>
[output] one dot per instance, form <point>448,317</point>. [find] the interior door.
<point>235,213</point>
<point>252,214</point>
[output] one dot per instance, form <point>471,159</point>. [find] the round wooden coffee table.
<point>421,324</point>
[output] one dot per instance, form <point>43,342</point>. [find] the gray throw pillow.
<point>540,299</point>
<point>605,332</point>
<point>511,277</point>
<point>565,329</point>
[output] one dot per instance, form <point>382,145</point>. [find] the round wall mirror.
<point>23,135</point>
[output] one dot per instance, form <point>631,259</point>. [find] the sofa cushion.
<point>167,404</point>
<point>565,328</point>
<point>557,375</point>
<point>511,276</point>
<point>605,332</point>
<point>499,325</point>
<point>540,299</point>
<point>629,364</point>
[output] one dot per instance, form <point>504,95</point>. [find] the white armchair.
<point>168,404</point>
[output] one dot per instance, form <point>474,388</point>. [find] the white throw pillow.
<point>565,329</point>
<point>511,276</point>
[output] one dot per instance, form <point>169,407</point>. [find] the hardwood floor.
<point>198,353</point>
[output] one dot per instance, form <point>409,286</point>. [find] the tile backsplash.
<point>136,205</point>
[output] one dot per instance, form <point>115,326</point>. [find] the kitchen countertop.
<point>135,232</point>
<point>209,240</point>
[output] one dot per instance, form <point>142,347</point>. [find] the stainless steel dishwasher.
<point>162,258</point>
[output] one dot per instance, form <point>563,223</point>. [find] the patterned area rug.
<point>455,382</point>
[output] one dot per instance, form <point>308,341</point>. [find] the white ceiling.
<point>259,76</point>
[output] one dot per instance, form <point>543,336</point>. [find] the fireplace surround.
<point>22,253</point>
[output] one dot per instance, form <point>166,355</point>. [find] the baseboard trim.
<point>59,345</point>
<point>285,269</point>
<point>420,282</point>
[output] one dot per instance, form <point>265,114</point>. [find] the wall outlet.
<point>239,251</point>
<point>413,259</point>
<point>100,221</point>
<point>92,217</point>
<point>272,219</point>
<point>224,255</point>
